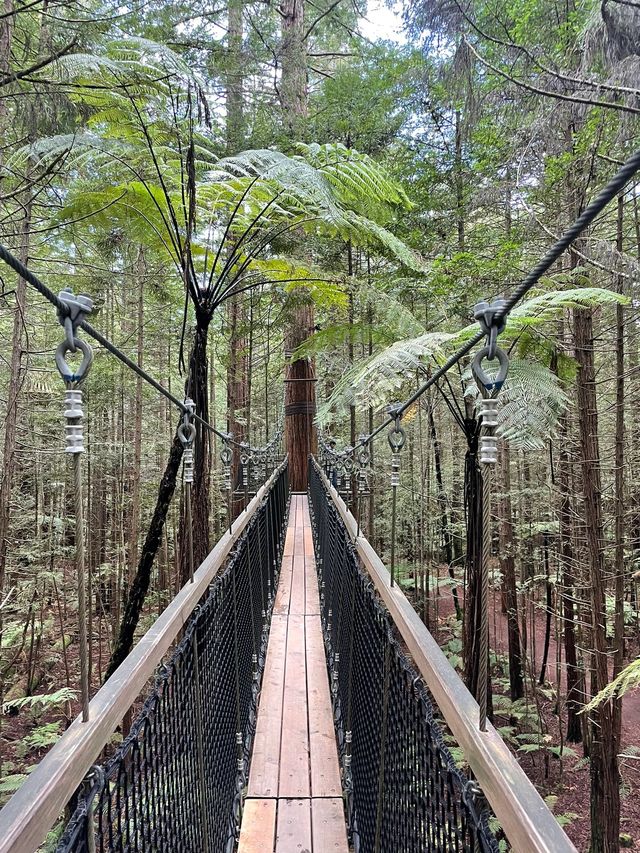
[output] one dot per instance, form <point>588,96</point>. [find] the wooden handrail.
<point>524,816</point>
<point>36,806</point>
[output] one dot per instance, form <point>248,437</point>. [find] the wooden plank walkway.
<point>294,797</point>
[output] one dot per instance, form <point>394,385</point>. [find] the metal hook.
<point>483,380</point>
<point>186,433</point>
<point>65,371</point>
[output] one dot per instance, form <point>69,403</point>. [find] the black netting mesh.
<point>403,790</point>
<point>175,784</point>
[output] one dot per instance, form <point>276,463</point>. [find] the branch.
<point>578,81</point>
<point>575,99</point>
<point>18,75</point>
<point>319,18</point>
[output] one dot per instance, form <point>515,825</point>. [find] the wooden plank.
<point>309,550</point>
<point>283,593</point>
<point>323,754</point>
<point>289,540</point>
<point>328,826</point>
<point>311,593</point>
<point>265,761</point>
<point>294,750</point>
<point>32,811</point>
<point>258,830</point>
<point>297,603</point>
<point>294,827</point>
<point>525,817</point>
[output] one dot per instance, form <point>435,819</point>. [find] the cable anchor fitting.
<point>492,322</point>
<point>397,439</point>
<point>77,309</point>
<point>187,435</point>
<point>226,455</point>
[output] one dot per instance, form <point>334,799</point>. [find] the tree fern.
<point>628,679</point>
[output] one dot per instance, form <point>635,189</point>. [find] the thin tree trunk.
<point>442,504</point>
<point>16,378</point>
<point>508,565</point>
<point>134,521</point>
<point>605,777</point>
<point>300,395</point>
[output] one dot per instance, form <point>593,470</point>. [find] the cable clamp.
<point>77,308</point>
<point>492,321</point>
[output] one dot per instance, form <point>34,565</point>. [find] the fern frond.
<point>376,380</point>
<point>628,679</point>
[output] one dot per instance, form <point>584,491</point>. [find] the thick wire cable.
<point>32,279</point>
<point>610,191</point>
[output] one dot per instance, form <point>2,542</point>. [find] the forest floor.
<point>568,780</point>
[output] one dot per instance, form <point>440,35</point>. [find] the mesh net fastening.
<point>402,787</point>
<point>151,794</point>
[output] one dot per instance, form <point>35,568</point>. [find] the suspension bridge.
<point>290,698</point>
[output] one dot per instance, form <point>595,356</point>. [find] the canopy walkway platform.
<point>292,700</point>
<point>294,798</point>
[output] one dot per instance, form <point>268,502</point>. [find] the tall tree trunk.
<point>134,521</point>
<point>293,61</point>
<point>605,777</point>
<point>447,539</point>
<point>300,396</point>
<point>508,565</point>
<point>300,401</point>
<point>619,564</point>
<point>237,367</point>
<point>575,691</point>
<point>235,126</point>
<point>236,397</point>
<point>16,378</point>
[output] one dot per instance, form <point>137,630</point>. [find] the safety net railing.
<point>175,783</point>
<point>403,789</point>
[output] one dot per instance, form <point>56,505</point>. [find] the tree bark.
<point>508,565</point>
<point>300,401</point>
<point>605,777</point>
<point>293,60</point>
<point>140,584</point>
<point>300,395</point>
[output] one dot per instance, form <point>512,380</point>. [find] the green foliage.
<point>565,819</point>
<point>41,737</point>
<point>41,702</point>
<point>628,679</point>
